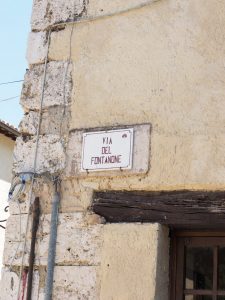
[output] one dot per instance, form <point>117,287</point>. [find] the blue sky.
<point>14,28</point>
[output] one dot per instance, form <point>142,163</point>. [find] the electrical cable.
<point>10,82</point>
<point>11,98</point>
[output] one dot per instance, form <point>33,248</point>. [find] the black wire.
<point>9,82</point>
<point>11,98</point>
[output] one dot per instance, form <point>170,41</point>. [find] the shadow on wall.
<point>162,266</point>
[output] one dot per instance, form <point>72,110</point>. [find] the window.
<point>198,266</point>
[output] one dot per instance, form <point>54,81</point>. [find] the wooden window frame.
<point>195,238</point>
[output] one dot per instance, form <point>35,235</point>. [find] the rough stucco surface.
<point>176,50</point>
<point>129,262</point>
<point>102,7</point>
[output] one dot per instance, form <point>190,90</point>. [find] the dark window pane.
<point>198,297</point>
<point>221,271</point>
<point>199,269</point>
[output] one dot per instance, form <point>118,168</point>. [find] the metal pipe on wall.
<point>52,245</point>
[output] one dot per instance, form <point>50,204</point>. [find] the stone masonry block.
<point>50,156</point>
<point>78,219</point>
<point>74,282</point>
<point>78,246</point>
<point>37,46</point>
<point>29,123</point>
<point>74,197</point>
<point>141,154</point>
<point>57,90</point>
<point>53,120</point>
<point>70,282</point>
<point>10,282</point>
<point>78,241</point>
<point>48,12</point>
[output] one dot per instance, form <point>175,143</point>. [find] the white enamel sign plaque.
<point>107,150</point>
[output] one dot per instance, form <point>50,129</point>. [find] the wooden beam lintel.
<point>174,208</point>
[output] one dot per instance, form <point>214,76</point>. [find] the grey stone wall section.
<point>71,282</point>
<point>36,49</point>
<point>50,156</point>
<point>78,243</point>
<point>49,12</point>
<point>53,119</point>
<point>54,87</point>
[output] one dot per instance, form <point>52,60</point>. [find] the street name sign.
<point>107,150</point>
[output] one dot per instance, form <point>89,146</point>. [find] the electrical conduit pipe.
<point>52,245</point>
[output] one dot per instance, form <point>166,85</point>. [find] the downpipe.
<point>52,245</point>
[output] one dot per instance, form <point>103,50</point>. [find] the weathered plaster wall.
<point>6,160</point>
<point>4,190</point>
<point>176,50</point>
<point>129,262</point>
<point>160,64</point>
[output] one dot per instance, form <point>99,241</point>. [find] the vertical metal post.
<point>52,246</point>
